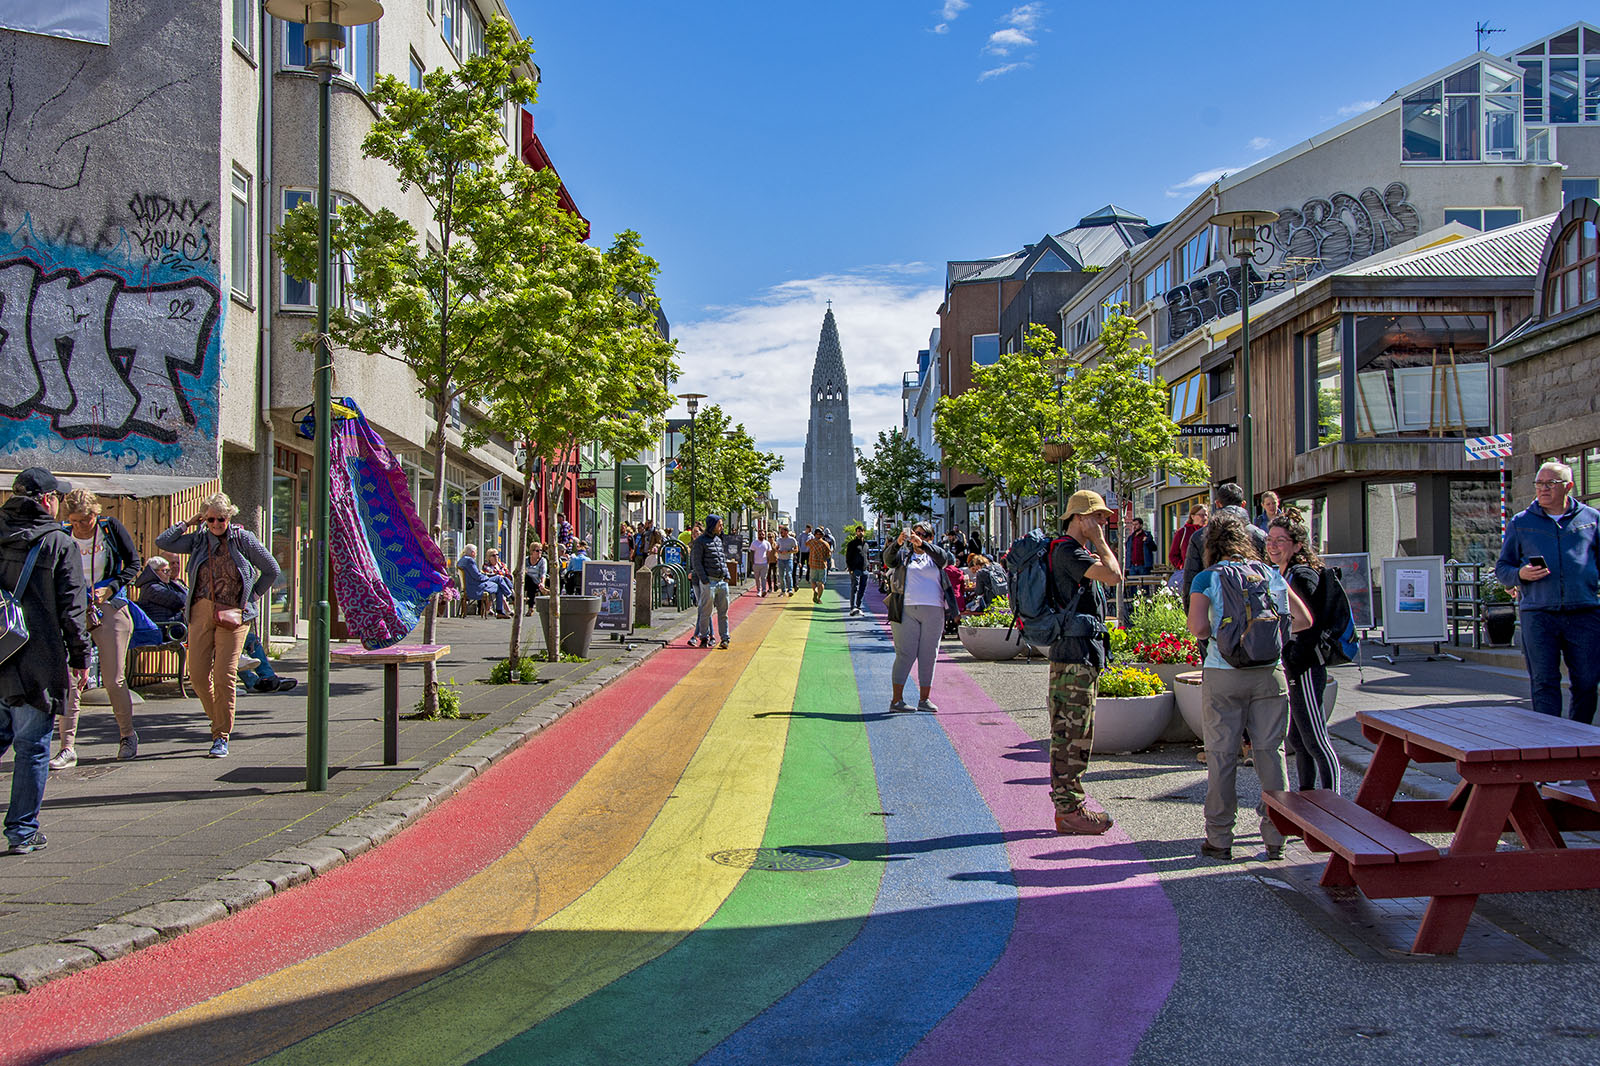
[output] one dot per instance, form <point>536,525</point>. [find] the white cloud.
<point>1357,107</point>
<point>952,9</point>
<point>1025,17</point>
<point>1001,42</point>
<point>1255,144</point>
<point>997,72</point>
<point>943,27</point>
<point>755,359</point>
<point>1201,179</point>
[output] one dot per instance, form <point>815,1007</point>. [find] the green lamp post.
<point>1242,226</point>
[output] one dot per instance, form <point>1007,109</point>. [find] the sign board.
<point>489,492</point>
<point>1206,430</point>
<point>588,488</point>
<point>673,552</point>
<point>672,520</point>
<point>1355,573</point>
<point>635,478</point>
<point>1414,600</point>
<point>613,583</point>
<point>1494,446</point>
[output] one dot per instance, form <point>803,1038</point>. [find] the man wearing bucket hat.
<point>1081,565</point>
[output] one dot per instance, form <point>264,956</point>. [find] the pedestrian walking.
<point>709,568</point>
<point>1141,549</point>
<point>39,566</point>
<point>1082,566</point>
<point>855,561</point>
<point>110,564</point>
<point>1550,555</point>
<point>917,564</point>
<point>760,554</point>
<point>819,555</point>
<point>785,550</point>
<point>1238,602</point>
<point>1289,549</point>
<point>1179,548</point>
<point>229,571</point>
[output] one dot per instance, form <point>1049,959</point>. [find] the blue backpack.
<point>1336,627</point>
<point>1034,609</point>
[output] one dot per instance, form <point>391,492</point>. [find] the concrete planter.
<point>1130,723</point>
<point>989,643</point>
<point>1186,694</point>
<point>1177,731</point>
<point>578,616</point>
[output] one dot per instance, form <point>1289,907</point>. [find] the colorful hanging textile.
<point>385,565</point>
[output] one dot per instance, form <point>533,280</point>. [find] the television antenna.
<point>1483,29</point>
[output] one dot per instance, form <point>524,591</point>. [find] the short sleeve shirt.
<point>1069,572</point>
<point>1205,584</point>
<point>786,547</point>
<point>758,552</point>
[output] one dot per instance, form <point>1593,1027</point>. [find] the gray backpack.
<point>1249,627</point>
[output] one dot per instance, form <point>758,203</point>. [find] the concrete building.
<point>147,164</point>
<point>919,394</point>
<point>828,476</point>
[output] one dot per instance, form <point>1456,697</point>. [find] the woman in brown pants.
<point>229,570</point>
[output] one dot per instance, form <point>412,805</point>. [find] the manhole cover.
<point>84,773</point>
<point>788,860</point>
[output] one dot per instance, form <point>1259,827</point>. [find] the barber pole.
<point>1496,446</point>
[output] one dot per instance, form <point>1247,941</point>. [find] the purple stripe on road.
<point>1094,952</point>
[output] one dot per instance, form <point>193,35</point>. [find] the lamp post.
<point>324,22</point>
<point>1242,227</point>
<point>693,399</point>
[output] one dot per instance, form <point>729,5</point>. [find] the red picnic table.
<point>390,659</point>
<point>1511,761</point>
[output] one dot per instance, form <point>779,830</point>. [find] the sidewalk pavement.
<point>150,848</point>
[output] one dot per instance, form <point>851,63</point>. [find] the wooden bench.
<point>1330,823</point>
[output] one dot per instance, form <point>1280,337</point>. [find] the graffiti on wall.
<point>1322,234</point>
<point>174,233</point>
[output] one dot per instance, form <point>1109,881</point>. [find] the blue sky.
<point>774,156</point>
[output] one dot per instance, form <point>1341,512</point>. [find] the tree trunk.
<point>430,669</point>
<point>518,595</point>
<point>553,633</point>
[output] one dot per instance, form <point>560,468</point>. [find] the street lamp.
<point>693,399</point>
<point>324,22</point>
<point>1242,226</point>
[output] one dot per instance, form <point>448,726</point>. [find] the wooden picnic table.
<point>391,659</point>
<point>1511,762</point>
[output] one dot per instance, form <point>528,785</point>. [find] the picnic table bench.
<point>1512,764</point>
<point>391,659</point>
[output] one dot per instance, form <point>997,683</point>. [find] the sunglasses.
<point>216,521</point>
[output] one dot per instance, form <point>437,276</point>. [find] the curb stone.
<point>27,968</point>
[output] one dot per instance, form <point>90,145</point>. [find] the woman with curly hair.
<point>1289,548</point>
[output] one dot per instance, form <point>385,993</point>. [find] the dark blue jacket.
<point>1569,545</point>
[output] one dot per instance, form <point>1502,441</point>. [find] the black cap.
<point>37,481</point>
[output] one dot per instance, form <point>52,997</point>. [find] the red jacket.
<point>1180,544</point>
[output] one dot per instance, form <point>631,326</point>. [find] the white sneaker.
<point>65,759</point>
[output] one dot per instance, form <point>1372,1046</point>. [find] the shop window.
<point>1572,280</point>
<point>1391,522</point>
<point>1324,377</point>
<point>1421,375</point>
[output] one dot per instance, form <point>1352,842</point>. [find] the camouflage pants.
<point>1072,694</point>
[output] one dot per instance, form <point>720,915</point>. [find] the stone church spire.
<point>828,476</point>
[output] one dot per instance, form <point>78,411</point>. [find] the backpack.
<point>1034,610</point>
<point>1336,642</point>
<point>1249,630</point>
<point>13,623</point>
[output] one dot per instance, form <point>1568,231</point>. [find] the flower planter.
<point>1177,731</point>
<point>578,616</point>
<point>1186,694</point>
<point>1499,623</point>
<point>989,643</point>
<point>1130,723</point>
<point>1058,451</point>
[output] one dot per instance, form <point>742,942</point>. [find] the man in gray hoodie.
<point>1225,498</point>
<point>708,565</point>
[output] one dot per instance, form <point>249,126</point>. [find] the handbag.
<point>229,618</point>
<point>13,623</point>
<point>894,605</point>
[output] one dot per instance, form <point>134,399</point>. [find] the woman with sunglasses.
<point>229,570</point>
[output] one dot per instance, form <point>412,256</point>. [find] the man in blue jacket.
<point>708,565</point>
<point>1550,553</point>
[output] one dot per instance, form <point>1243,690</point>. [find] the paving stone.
<point>234,894</point>
<point>175,917</point>
<point>404,810</point>
<point>280,875</point>
<point>320,859</point>
<point>8,986</point>
<point>375,828</point>
<point>33,966</point>
<point>112,940</point>
<point>448,777</point>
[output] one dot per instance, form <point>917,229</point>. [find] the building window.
<point>1156,283</point>
<point>242,11</point>
<point>239,238</point>
<point>986,349</point>
<point>1421,376</point>
<point>1572,280</point>
<point>1472,115</point>
<point>1484,219</point>
<point>1219,382</point>
<point>414,72</point>
<point>357,59</point>
<point>1189,405</point>
<point>1324,378</point>
<point>450,24</point>
<point>344,267</point>
<point>1113,302</point>
<point>1086,330</point>
<point>1560,83</point>
<point>298,293</point>
<point>1577,188</point>
<point>1195,255</point>
<point>473,26</point>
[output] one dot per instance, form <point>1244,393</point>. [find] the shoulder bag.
<point>13,624</point>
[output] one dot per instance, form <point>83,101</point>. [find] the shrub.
<point>513,671</point>
<point>1491,591</point>
<point>1121,639</point>
<point>1130,681</point>
<point>995,616</point>
<point>1153,616</point>
<point>449,696</point>
<point>1170,649</point>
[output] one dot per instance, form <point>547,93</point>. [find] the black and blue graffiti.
<point>101,358</point>
<point>173,233</point>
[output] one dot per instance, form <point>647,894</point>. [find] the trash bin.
<point>578,616</point>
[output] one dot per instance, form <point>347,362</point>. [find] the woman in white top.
<point>110,564</point>
<point>919,564</point>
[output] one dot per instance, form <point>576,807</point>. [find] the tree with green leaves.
<point>440,305</point>
<point>898,479</point>
<point>728,471</point>
<point>593,368</point>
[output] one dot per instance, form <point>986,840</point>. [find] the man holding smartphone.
<point>1551,556</point>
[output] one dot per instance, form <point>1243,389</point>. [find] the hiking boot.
<point>1210,851</point>
<point>128,748</point>
<point>1082,822</point>
<point>37,842</point>
<point>219,748</point>
<point>65,759</point>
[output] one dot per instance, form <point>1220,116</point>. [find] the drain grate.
<point>782,860</point>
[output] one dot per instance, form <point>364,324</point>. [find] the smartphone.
<point>1537,560</point>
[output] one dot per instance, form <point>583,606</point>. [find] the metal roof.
<point>1511,251</point>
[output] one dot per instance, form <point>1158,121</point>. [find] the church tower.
<point>828,477</point>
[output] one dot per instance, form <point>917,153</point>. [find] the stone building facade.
<point>828,494</point>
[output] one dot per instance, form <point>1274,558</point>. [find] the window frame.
<point>244,40</point>
<point>347,70</point>
<point>973,344</point>
<point>1463,107</point>
<point>1588,256</point>
<point>1482,225</point>
<point>415,71</point>
<point>1163,269</point>
<point>241,244</point>
<point>284,277</point>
